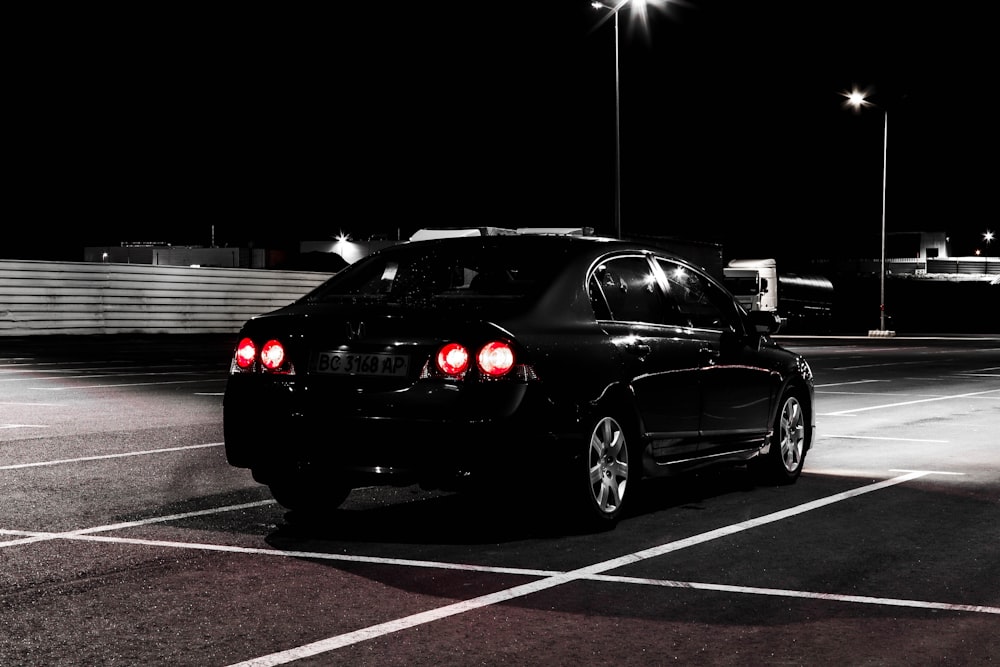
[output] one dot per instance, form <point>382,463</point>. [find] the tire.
<point>789,439</point>
<point>308,496</point>
<point>606,481</point>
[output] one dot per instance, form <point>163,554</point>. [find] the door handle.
<point>638,348</point>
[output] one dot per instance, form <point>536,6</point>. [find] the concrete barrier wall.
<point>39,298</point>
<point>986,266</point>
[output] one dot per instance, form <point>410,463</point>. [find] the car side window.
<point>699,303</point>
<point>602,310</point>
<point>625,289</point>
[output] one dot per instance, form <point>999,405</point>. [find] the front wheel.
<point>783,462</point>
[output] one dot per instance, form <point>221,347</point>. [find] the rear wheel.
<point>783,462</point>
<point>604,485</point>
<point>307,495</point>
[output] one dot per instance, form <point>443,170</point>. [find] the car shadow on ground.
<point>419,517</point>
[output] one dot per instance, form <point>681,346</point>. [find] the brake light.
<point>272,355</point>
<point>453,359</point>
<point>246,352</point>
<point>495,359</point>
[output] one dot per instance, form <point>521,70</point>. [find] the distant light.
<point>342,237</point>
<point>988,237</point>
<point>857,99</point>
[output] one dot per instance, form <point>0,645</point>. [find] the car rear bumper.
<point>278,430</point>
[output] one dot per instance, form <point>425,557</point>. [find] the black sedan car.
<point>556,366</point>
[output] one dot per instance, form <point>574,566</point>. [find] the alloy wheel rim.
<point>792,434</point>
<point>608,461</point>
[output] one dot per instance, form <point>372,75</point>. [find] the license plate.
<point>353,363</point>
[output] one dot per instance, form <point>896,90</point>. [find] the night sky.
<point>273,126</point>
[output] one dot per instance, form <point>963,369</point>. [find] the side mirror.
<point>766,321</point>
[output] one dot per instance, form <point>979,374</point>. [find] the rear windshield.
<point>436,272</point>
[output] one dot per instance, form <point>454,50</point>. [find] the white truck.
<point>803,304</point>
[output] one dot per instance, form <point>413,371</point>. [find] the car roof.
<point>541,240</point>
<point>540,243</point>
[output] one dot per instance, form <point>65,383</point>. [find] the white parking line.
<point>589,572</point>
<point>879,365</point>
<point>34,536</point>
<point>82,533</point>
<point>31,404</point>
<point>128,384</point>
<point>874,393</point>
<point>914,402</point>
<point>77,375</point>
<point>552,578</point>
<point>119,455</point>
<point>68,367</point>
<point>782,592</point>
<point>841,384</point>
<point>869,437</point>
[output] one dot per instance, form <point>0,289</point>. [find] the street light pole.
<point>885,146</point>
<point>856,99</point>
<point>618,135</point>
<point>988,237</point>
<point>618,142</point>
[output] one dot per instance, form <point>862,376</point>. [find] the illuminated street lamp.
<point>856,99</point>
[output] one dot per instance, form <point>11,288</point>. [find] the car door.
<point>735,385</point>
<point>659,359</point>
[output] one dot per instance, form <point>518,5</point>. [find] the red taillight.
<point>495,359</point>
<point>246,351</point>
<point>272,355</point>
<point>453,359</point>
<point>272,358</point>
